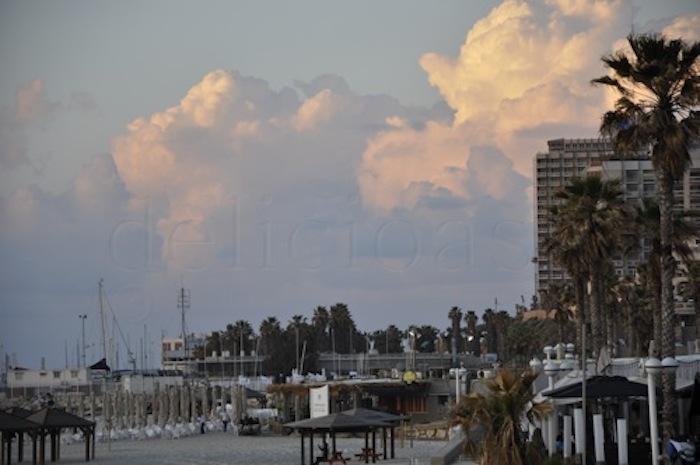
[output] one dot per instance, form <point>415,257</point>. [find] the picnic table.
<point>337,457</point>
<point>368,453</point>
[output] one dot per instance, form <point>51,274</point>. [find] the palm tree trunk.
<point>668,339</point>
<point>696,306</point>
<point>579,290</point>
<point>596,311</point>
<point>655,287</point>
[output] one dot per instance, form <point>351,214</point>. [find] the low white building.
<point>138,383</point>
<point>20,378</point>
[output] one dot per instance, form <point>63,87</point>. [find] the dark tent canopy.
<point>19,412</point>
<point>337,422</point>
<point>371,414</point>
<point>598,387</point>
<point>12,423</point>
<point>55,418</point>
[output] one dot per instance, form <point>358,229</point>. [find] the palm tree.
<point>470,320</point>
<point>497,415</point>
<point>455,316</point>
<point>659,94</point>
<point>692,291</point>
<point>589,223</point>
<point>558,298</point>
<point>647,221</point>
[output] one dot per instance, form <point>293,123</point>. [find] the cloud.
<point>522,75</point>
<point>31,114</point>
<point>31,102</point>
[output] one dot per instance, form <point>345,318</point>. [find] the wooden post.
<point>311,448</point>
<point>374,446</point>
<point>302,447</point>
<point>86,436</point>
<point>42,447</point>
<point>366,447</point>
<point>384,442</point>
<point>392,442</point>
<point>20,446</point>
<point>92,436</point>
<point>58,444</point>
<point>2,452</point>
<point>9,448</point>
<point>34,438</point>
<point>333,438</point>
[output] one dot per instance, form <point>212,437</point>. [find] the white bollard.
<point>578,430</point>
<point>598,438</point>
<point>567,436</point>
<point>622,458</point>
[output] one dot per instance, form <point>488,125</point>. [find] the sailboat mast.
<point>102,319</point>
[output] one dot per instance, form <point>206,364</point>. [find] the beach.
<point>224,449</point>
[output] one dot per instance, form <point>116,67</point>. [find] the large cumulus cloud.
<point>522,75</point>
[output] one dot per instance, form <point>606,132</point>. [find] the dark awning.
<point>337,422</point>
<point>598,387</point>
<point>12,423</point>
<point>375,415</point>
<point>55,418</point>
<point>19,412</point>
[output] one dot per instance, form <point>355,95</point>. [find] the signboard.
<point>318,402</point>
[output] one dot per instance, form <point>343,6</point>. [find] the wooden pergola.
<point>337,423</point>
<point>51,421</point>
<point>12,426</point>
<point>391,421</point>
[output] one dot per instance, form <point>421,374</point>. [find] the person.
<point>559,443</point>
<point>200,419</point>
<point>225,418</point>
<point>323,447</point>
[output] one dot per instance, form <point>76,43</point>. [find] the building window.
<point>19,375</point>
<point>56,375</point>
<point>166,347</point>
<point>74,373</point>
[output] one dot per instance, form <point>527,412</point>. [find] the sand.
<point>224,449</point>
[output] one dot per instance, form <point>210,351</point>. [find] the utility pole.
<point>102,318</point>
<point>83,317</point>
<point>183,303</point>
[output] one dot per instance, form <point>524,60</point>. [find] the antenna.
<point>183,303</point>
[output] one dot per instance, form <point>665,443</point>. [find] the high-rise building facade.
<point>569,158</point>
<point>566,159</point>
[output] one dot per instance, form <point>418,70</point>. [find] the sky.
<point>276,156</point>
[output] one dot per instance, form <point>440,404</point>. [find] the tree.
<point>470,319</point>
<point>343,330</point>
<point>321,322</point>
<point>590,221</point>
<point>658,82</point>
<point>647,220</point>
<point>692,292</point>
<point>455,316</point>
<point>426,336</point>
<point>497,417</point>
<point>557,300</point>
<point>388,340</point>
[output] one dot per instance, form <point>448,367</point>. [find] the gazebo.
<point>51,421</point>
<point>377,415</point>
<point>11,425</point>
<point>337,423</point>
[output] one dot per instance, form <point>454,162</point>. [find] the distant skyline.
<point>276,156</point>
